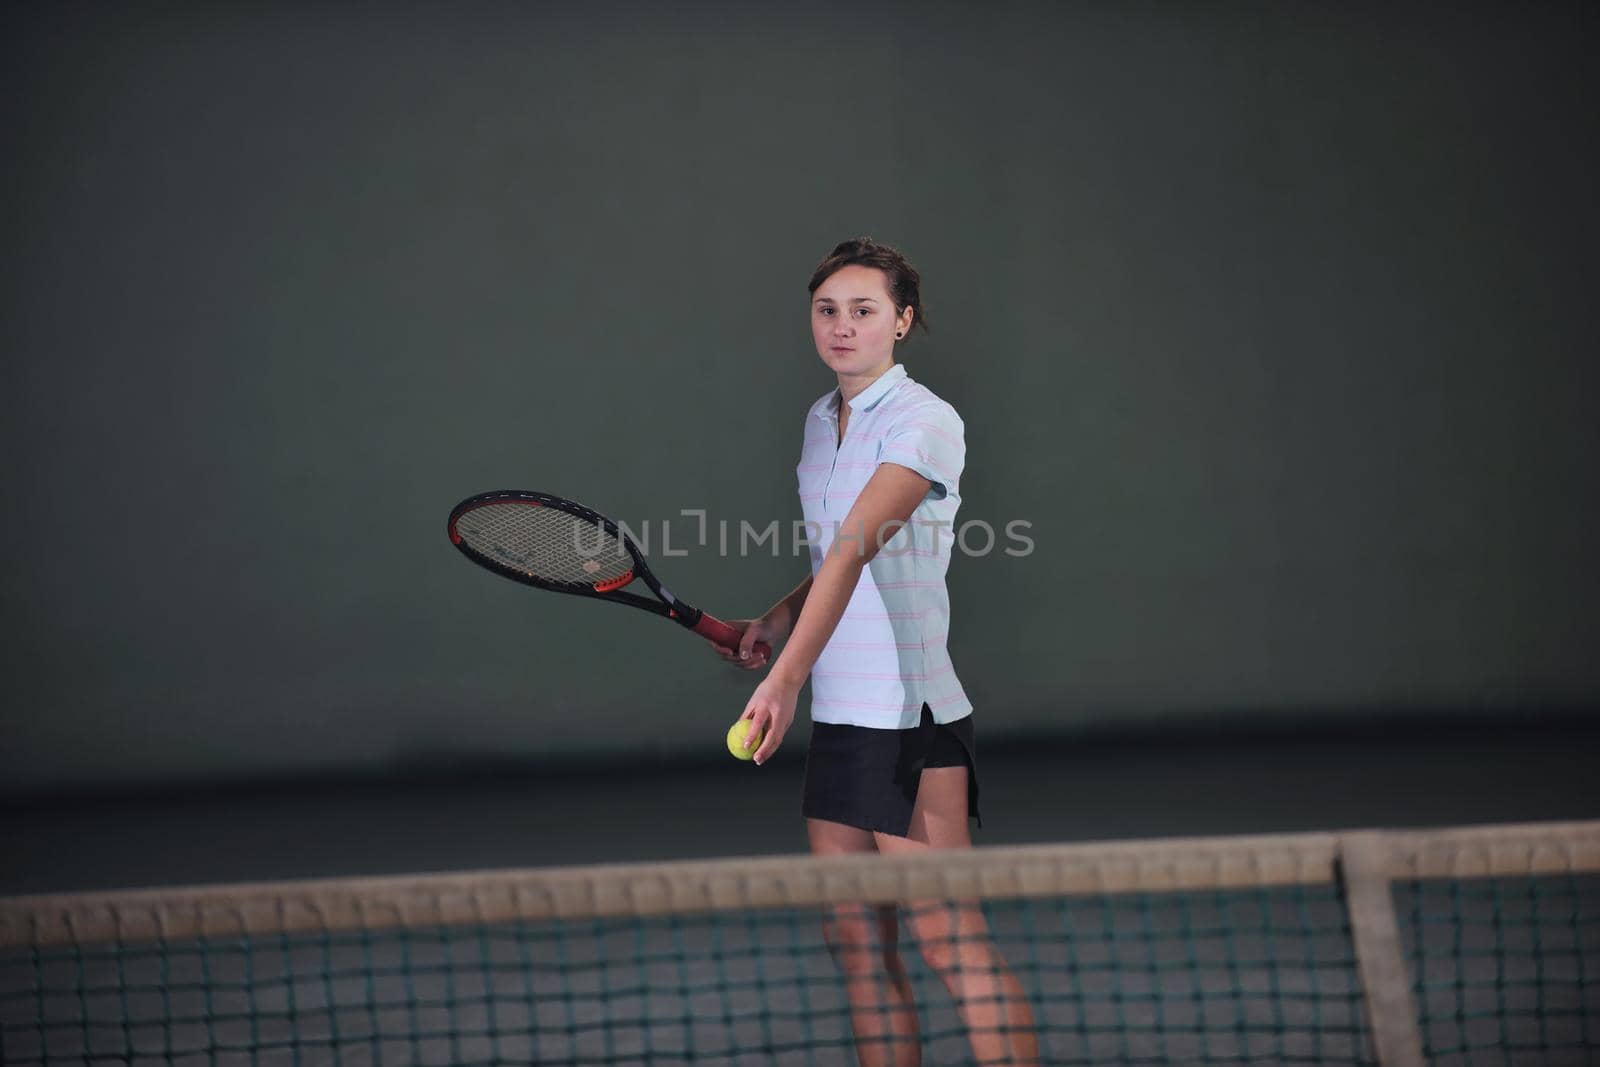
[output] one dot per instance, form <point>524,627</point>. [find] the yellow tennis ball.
<point>736,734</point>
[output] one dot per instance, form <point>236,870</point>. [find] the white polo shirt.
<point>887,656</point>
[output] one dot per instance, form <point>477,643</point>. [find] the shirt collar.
<point>869,397</point>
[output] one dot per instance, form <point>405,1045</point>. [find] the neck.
<point>850,385</point>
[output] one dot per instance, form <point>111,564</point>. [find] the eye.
<point>865,311</point>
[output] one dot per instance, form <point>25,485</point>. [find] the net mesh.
<point>545,542</point>
<point>1507,969</point>
<point>1219,951</point>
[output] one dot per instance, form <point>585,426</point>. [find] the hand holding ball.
<point>736,740</point>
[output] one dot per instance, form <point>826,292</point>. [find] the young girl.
<point>890,766</point>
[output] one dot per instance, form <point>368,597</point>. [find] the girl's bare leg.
<point>864,940</point>
<point>954,938</point>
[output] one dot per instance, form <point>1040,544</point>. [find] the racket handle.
<point>726,636</point>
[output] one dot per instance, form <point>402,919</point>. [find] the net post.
<point>1385,982</point>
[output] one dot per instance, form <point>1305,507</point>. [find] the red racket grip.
<point>727,636</point>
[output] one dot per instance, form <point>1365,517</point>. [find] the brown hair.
<point>904,282</point>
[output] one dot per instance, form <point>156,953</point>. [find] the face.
<point>853,321</point>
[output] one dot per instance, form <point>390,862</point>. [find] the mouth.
<point>842,348</point>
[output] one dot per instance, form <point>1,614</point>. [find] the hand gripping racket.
<point>551,543</point>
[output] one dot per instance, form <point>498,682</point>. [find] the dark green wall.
<point>1276,321</point>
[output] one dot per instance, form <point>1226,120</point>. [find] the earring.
<point>898,336</point>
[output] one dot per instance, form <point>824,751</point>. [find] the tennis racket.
<point>552,543</point>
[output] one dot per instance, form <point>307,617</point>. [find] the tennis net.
<point>1460,946</point>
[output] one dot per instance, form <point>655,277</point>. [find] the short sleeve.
<point>930,440</point>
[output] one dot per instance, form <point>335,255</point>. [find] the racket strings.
<point>546,543</point>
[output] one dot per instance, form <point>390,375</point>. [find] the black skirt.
<point>867,778</point>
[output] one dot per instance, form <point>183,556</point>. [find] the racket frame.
<point>665,604</point>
